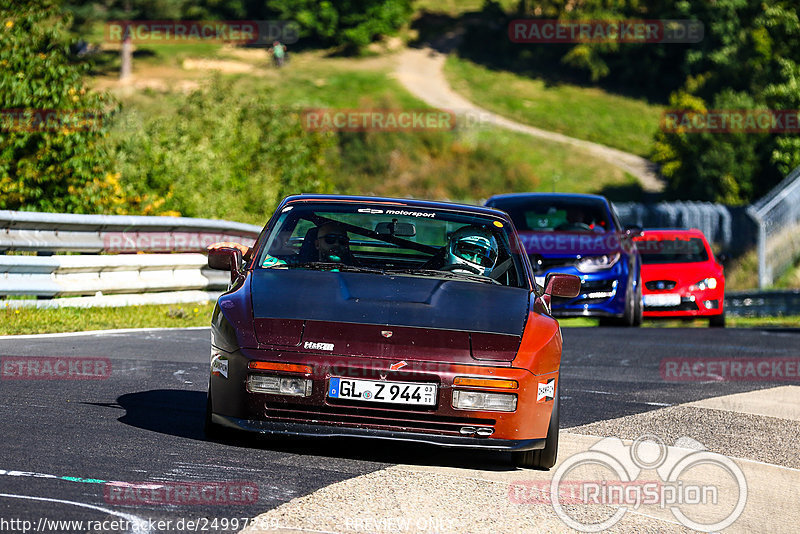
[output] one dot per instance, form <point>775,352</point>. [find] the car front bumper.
<point>602,294</point>
<point>693,304</point>
<point>525,428</point>
<point>311,430</point>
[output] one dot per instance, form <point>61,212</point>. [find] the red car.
<point>388,319</point>
<point>681,277</point>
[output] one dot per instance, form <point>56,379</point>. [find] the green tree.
<point>750,59</point>
<point>61,165</point>
<point>220,154</point>
<point>349,23</point>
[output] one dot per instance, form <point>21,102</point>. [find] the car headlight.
<point>705,283</point>
<point>591,264</point>
<point>279,385</point>
<point>478,400</point>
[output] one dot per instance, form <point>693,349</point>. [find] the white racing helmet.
<point>473,247</point>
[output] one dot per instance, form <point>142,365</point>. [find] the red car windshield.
<point>677,250</point>
<point>407,240</point>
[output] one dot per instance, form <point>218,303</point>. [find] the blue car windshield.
<point>549,214</point>
<point>402,240</point>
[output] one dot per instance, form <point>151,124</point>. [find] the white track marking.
<point>128,517</point>
<point>98,333</point>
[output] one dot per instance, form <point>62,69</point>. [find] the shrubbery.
<point>64,165</point>
<point>222,156</point>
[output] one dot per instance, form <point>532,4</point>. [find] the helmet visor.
<point>476,253</point>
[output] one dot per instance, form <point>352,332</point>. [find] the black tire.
<point>717,321</point>
<point>629,316</point>
<point>542,458</point>
<point>212,430</point>
<point>638,310</point>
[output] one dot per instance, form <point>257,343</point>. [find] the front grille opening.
<point>374,418</point>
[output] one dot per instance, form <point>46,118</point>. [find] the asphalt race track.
<point>64,440</point>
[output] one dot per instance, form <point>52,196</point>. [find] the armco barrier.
<point>120,260</point>
<point>762,303</point>
<point>59,232</point>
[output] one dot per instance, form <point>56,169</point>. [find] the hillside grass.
<point>582,112</point>
<point>467,164</point>
<point>458,7</point>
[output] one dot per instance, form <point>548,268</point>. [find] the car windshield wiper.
<point>447,274</point>
<point>334,266</point>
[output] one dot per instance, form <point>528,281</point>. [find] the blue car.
<point>580,235</point>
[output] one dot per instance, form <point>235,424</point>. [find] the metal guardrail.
<point>762,303</point>
<point>59,276</point>
<point>114,272</point>
<point>59,232</point>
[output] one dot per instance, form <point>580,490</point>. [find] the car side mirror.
<point>722,258</point>
<point>562,285</point>
<point>226,256</point>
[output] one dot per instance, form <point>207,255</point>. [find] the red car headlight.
<point>705,283</point>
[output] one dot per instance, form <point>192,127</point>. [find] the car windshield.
<point>402,240</point>
<point>558,214</point>
<point>676,250</point>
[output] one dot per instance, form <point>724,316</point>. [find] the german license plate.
<point>414,393</point>
<point>662,301</point>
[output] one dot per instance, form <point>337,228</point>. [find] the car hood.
<point>387,315</point>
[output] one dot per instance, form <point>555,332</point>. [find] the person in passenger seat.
<point>333,244</point>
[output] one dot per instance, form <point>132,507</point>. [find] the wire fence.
<point>771,226</point>
<point>729,228</point>
<point>778,218</point>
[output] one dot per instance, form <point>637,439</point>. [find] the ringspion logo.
<point>704,491</point>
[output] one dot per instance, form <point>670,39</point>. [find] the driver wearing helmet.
<point>472,250</point>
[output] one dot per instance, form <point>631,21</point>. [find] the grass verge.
<point>787,321</point>
<point>45,321</point>
<point>582,112</point>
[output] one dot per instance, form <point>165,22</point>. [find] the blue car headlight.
<point>593,264</point>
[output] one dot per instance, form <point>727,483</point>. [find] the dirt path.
<point>421,72</point>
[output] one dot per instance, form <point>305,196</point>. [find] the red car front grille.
<point>374,418</point>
